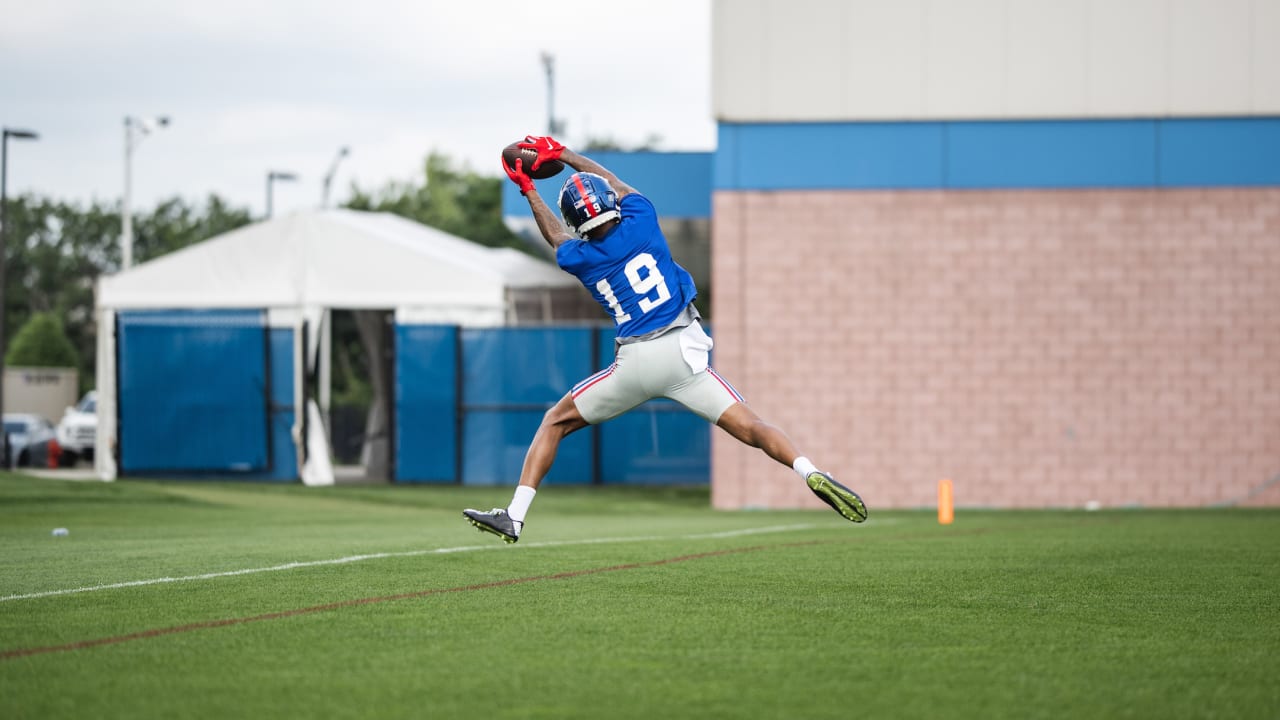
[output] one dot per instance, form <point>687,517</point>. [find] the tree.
<point>457,201</point>
<point>56,251</point>
<point>42,343</point>
<point>174,225</point>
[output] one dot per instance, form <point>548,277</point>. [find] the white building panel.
<point>1127,77</point>
<point>1046,72</point>
<point>884,59</point>
<point>797,60</point>
<point>965,54</point>
<point>1209,67</point>
<point>1265,93</point>
<point>805,41</point>
<point>738,37</point>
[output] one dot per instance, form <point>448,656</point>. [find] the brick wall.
<point>1040,348</point>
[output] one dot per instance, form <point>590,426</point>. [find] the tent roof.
<point>331,258</point>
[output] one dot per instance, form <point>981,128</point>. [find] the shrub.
<point>42,343</point>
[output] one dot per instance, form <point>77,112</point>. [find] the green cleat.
<point>845,501</point>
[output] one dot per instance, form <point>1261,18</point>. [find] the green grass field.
<point>620,603</point>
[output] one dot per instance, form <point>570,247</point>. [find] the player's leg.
<point>561,420</point>
<point>712,397</point>
<point>557,424</point>
<point>747,427</point>
<point>740,421</point>
<point>700,388</point>
<point>598,398</point>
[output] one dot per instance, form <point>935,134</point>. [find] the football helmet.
<point>587,201</point>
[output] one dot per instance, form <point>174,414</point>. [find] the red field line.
<point>159,632</point>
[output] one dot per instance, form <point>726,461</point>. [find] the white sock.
<point>520,503</point>
<point>804,466</point>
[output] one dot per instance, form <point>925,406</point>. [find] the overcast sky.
<point>259,85</point>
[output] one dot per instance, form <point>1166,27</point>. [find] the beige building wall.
<point>1040,348</point>
<point>46,392</point>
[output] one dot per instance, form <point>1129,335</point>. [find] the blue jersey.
<point>630,271</point>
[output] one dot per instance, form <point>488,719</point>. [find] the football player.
<point>619,253</point>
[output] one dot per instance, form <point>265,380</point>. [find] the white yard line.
<point>408,553</point>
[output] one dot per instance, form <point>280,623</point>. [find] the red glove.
<point>547,147</point>
<point>517,175</point>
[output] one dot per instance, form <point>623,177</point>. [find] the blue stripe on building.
<point>678,183</point>
<point>1140,153</point>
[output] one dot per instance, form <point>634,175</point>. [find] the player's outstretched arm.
<point>548,149</point>
<point>548,224</point>
<point>582,163</point>
<point>553,231</point>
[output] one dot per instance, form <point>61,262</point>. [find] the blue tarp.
<point>193,391</point>
<point>509,378</point>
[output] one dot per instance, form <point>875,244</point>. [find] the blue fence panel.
<point>658,443</point>
<point>426,417</point>
<point>511,377</point>
<point>523,366</point>
<point>497,441</point>
<point>284,456</point>
<point>193,391</point>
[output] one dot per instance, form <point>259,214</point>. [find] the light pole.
<point>328,178</point>
<point>134,131</point>
<point>273,176</point>
<point>549,65</point>
<point>4,227</point>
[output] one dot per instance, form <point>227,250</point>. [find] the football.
<point>547,169</point>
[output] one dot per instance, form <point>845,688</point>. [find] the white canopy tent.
<point>299,266</point>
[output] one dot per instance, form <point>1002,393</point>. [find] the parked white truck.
<point>78,430</point>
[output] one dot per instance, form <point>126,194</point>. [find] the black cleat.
<point>496,521</point>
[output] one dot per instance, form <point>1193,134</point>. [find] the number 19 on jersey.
<point>651,288</point>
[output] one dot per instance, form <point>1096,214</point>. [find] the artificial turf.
<point>620,603</point>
